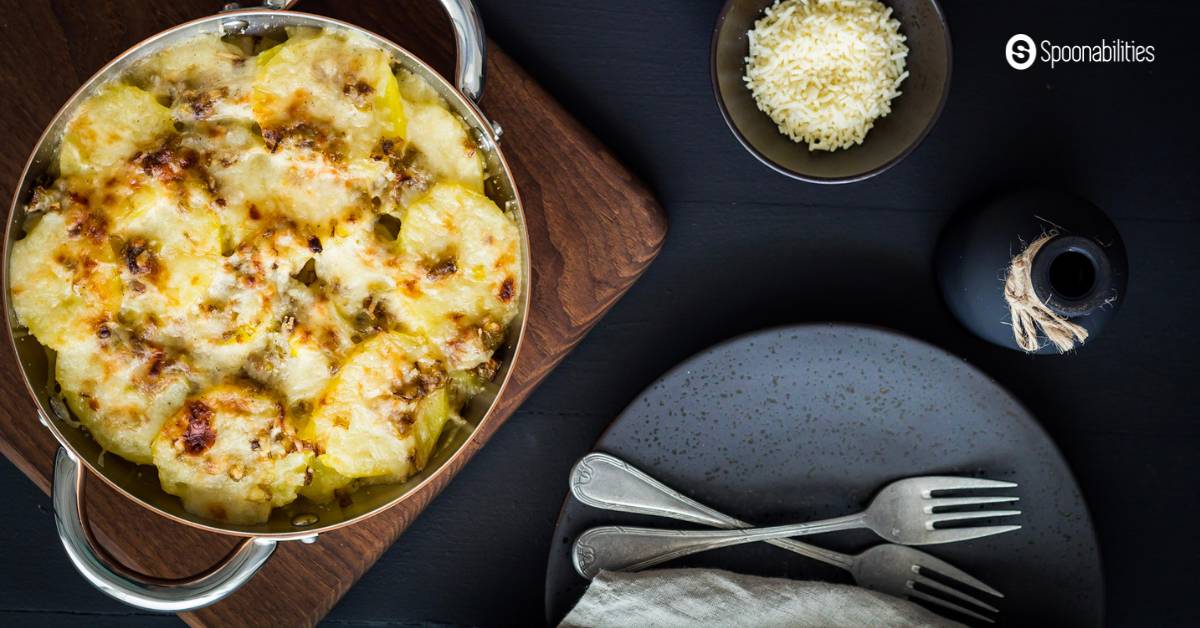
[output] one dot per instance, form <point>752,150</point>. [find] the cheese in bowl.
<point>268,268</point>
<point>825,70</point>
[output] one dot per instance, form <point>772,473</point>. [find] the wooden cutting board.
<point>593,228</point>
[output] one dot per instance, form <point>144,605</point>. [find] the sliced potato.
<point>232,322</point>
<point>65,283</point>
<point>466,384</point>
<point>359,270</point>
<point>259,186</point>
<point>200,62</point>
<point>301,358</point>
<point>230,454</point>
<point>416,90</point>
<point>122,392</point>
<point>330,90</point>
<point>372,421</point>
<point>326,483</point>
<point>170,248</point>
<point>447,150</point>
<point>432,413</point>
<point>444,143</point>
<point>110,127</point>
<point>204,79</point>
<point>464,262</point>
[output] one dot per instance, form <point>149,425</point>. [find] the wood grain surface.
<point>593,227</point>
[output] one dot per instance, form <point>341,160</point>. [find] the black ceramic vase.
<point>1080,273</point>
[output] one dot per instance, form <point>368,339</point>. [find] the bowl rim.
<point>861,176</point>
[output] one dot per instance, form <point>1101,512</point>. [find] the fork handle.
<point>617,548</point>
<point>607,482</point>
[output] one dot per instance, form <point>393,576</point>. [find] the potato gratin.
<point>269,269</point>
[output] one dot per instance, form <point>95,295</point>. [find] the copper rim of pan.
<point>476,120</point>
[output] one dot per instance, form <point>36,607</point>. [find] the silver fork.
<point>603,481</point>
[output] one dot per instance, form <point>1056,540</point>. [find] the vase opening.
<point>1072,275</point>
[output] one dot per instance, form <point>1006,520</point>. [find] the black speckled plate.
<point>803,423</point>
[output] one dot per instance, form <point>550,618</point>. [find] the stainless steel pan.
<point>79,454</point>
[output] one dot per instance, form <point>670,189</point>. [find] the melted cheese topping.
<point>316,88</point>
<point>269,273</point>
<point>65,280</point>
<point>169,243</point>
<point>121,390</point>
<point>111,127</point>
<point>463,289</point>
<point>367,419</point>
<point>231,455</point>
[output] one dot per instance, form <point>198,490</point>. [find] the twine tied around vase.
<point>1029,314</point>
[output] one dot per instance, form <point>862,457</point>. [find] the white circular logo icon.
<point>1019,51</point>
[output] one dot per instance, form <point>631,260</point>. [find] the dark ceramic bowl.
<point>892,138</point>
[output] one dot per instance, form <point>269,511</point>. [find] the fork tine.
<point>948,571</point>
<point>953,535</point>
<point>921,595</point>
<point>931,483</point>
<point>946,502</point>
<point>934,584</point>
<point>971,514</point>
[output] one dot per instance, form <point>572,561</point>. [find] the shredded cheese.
<point>825,70</point>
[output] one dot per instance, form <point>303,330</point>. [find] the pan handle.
<point>469,38</point>
<point>470,68</point>
<point>128,586</point>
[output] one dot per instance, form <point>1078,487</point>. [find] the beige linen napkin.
<point>710,597</point>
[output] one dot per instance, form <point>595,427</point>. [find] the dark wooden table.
<point>749,248</point>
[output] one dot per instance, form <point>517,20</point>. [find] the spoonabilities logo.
<point>1019,51</point>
